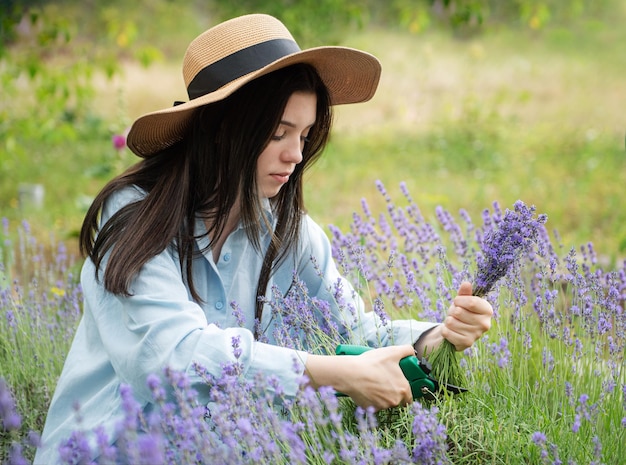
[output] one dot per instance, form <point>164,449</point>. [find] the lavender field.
<point>547,384</point>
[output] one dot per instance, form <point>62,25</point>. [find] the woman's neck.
<point>229,226</point>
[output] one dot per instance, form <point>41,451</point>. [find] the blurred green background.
<point>480,101</point>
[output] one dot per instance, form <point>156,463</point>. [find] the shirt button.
<point>227,257</point>
<point>219,305</point>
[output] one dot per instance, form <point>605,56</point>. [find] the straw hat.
<point>227,56</point>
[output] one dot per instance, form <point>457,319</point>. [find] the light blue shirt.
<point>121,340</point>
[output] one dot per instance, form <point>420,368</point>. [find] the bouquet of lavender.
<point>513,235</point>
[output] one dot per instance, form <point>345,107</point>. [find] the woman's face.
<point>284,151</point>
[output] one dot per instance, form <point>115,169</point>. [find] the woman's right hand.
<point>372,379</point>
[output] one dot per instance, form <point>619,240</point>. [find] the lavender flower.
<point>502,246</point>
<point>10,423</point>
<point>305,322</point>
<point>150,449</point>
<point>238,314</point>
<point>584,411</point>
<point>430,436</point>
<point>236,344</point>
<point>76,449</point>
<point>9,418</point>
<point>548,452</point>
<point>501,352</point>
<point>539,438</point>
<point>107,452</point>
<point>511,235</point>
<point>16,455</point>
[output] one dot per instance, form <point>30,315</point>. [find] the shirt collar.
<point>201,230</point>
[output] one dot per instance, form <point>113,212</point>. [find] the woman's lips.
<point>281,177</point>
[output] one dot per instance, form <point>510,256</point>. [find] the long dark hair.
<point>204,175</point>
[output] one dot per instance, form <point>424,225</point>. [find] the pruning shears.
<point>416,371</point>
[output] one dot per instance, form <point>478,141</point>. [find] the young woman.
<point>214,214</point>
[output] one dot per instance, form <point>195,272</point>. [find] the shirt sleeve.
<point>160,325</point>
<point>317,269</point>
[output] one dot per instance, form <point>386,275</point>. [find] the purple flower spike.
<point>430,436</point>
<point>9,418</point>
<point>514,235</point>
<point>150,449</point>
<point>539,438</point>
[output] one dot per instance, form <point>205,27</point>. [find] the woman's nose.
<point>293,153</point>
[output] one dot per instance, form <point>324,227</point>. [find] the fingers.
<point>404,389</point>
<point>468,318</point>
<point>397,395</point>
<point>402,394</point>
<point>462,335</point>
<point>473,313</point>
<point>465,288</point>
<point>384,385</point>
<point>400,351</point>
<point>406,395</point>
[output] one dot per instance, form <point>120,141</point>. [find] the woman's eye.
<point>279,137</point>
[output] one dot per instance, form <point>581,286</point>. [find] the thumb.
<point>465,288</point>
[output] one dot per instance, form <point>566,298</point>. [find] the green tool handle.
<point>419,381</point>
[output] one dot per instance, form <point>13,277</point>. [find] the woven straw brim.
<point>350,75</point>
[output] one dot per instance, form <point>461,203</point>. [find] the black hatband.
<point>239,64</point>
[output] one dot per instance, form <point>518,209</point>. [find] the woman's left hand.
<point>469,317</point>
